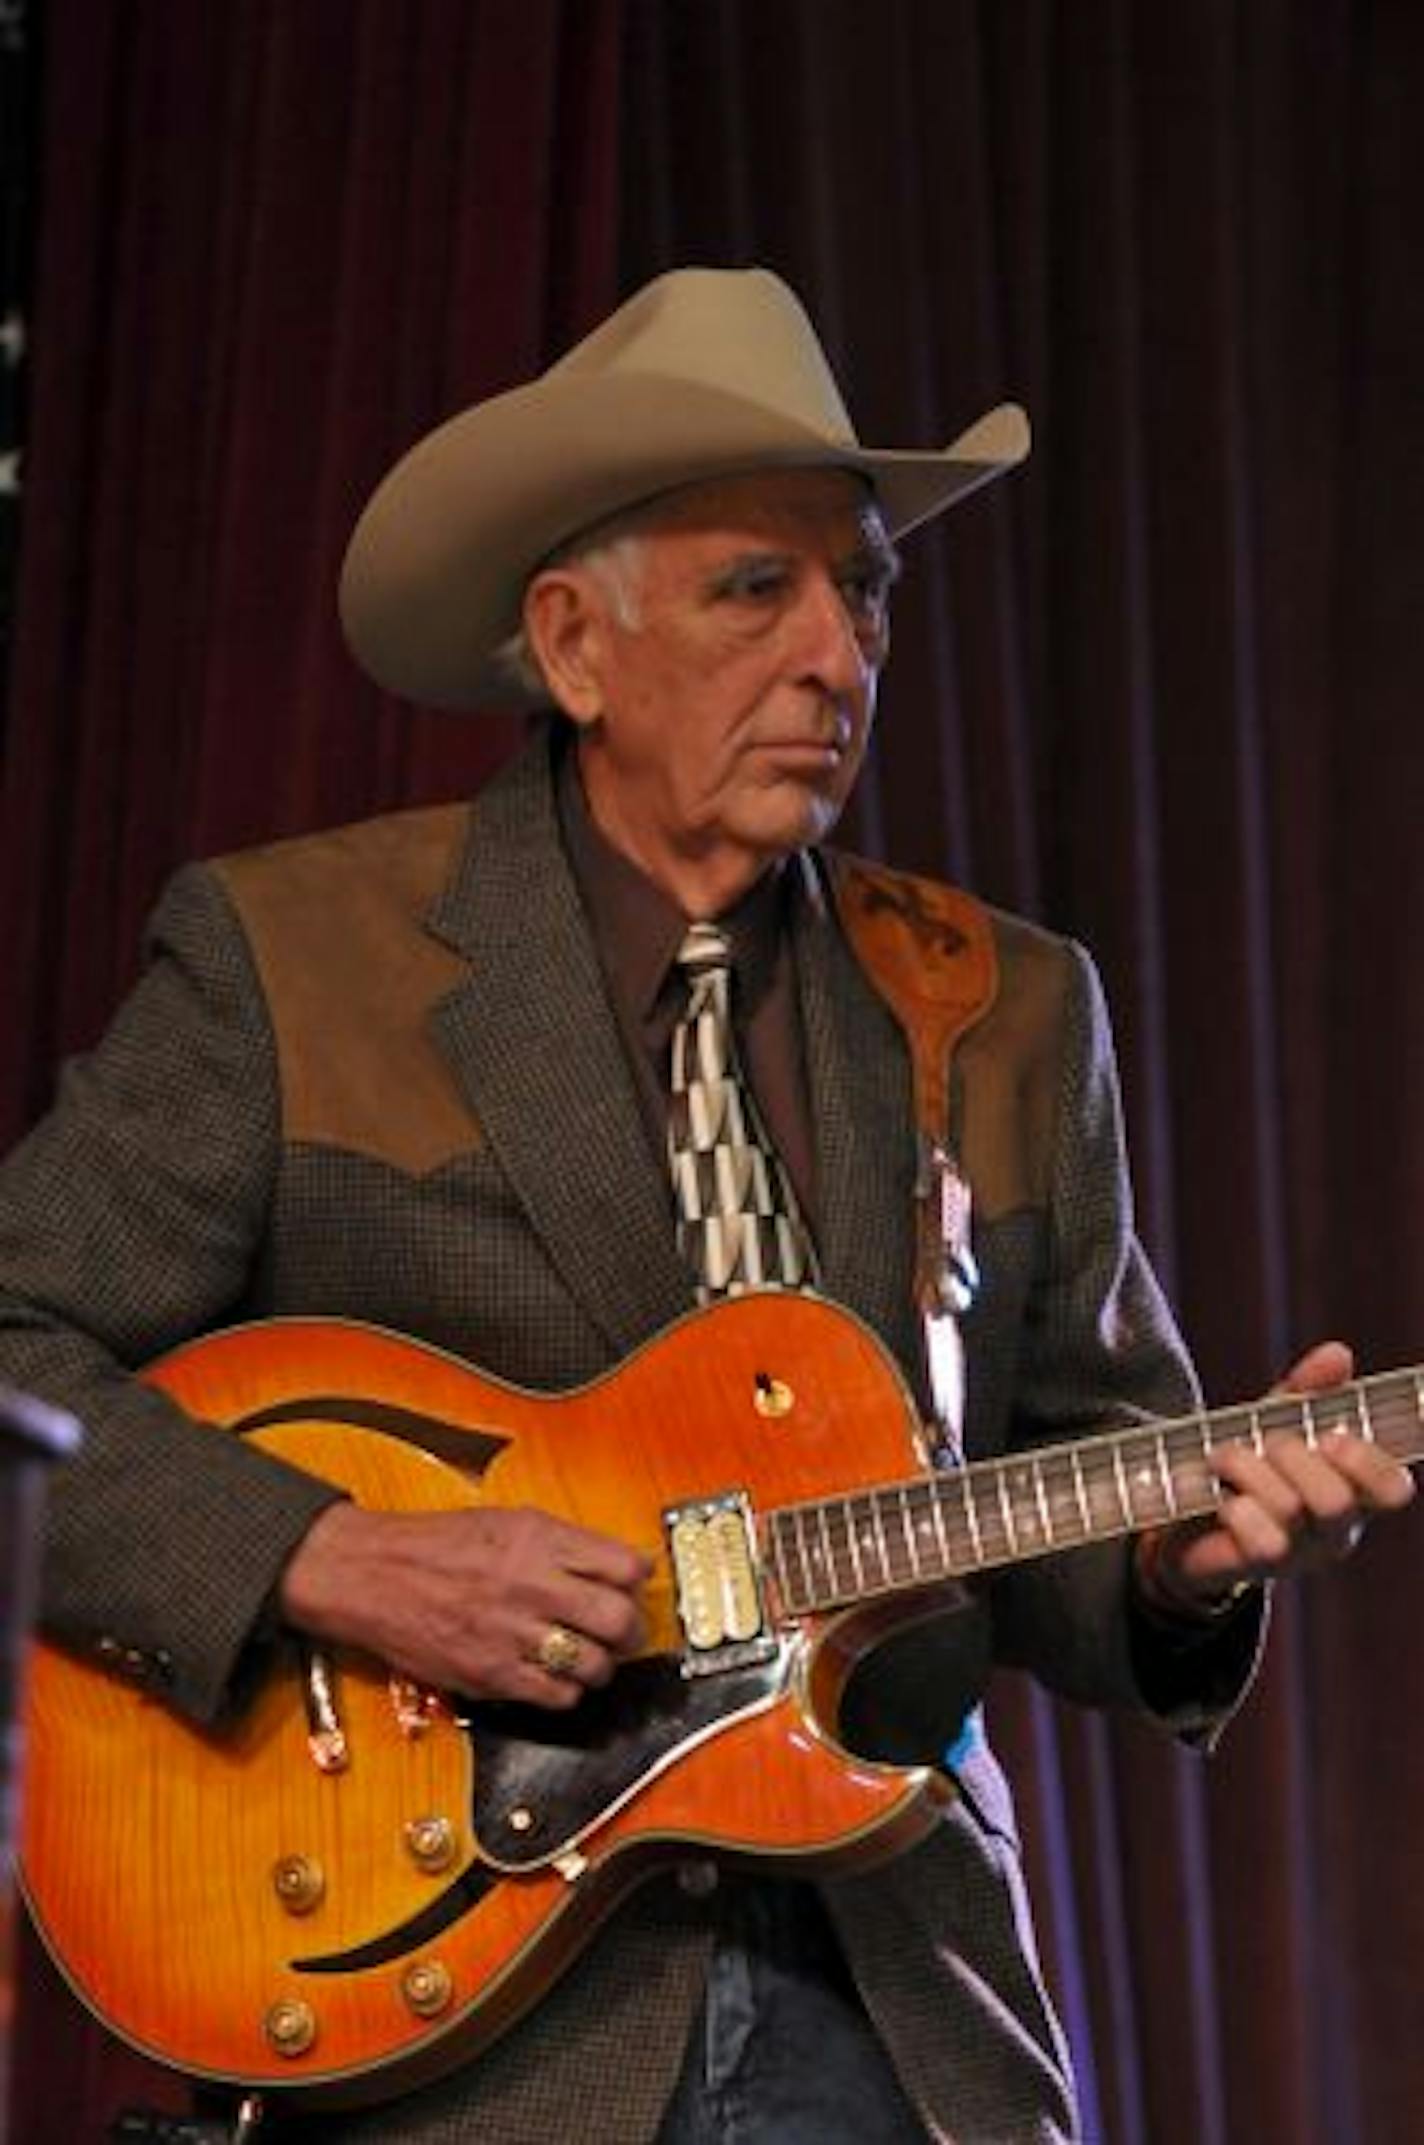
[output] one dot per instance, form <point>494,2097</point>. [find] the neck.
<point>701,888</point>
<point>700,881</point>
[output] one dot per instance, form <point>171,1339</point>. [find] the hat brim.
<point>435,572</point>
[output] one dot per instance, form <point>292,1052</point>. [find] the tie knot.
<point>705,947</point>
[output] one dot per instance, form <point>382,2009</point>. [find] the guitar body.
<point>238,1912</point>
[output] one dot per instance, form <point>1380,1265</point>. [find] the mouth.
<point>810,751</point>
<point>802,762</point>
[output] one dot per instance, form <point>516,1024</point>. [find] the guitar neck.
<point>835,1552</point>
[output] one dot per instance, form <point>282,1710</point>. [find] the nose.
<point>833,648</point>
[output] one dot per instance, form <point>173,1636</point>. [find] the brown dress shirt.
<point>637,931</point>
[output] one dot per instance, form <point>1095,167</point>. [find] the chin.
<point>797,826</point>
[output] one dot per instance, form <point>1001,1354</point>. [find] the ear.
<point>565,619</point>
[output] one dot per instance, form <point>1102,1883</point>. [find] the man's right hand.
<point>464,1601</point>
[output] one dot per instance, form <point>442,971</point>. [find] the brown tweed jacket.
<point>374,1074</point>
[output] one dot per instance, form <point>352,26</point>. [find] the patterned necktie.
<point>738,1225</point>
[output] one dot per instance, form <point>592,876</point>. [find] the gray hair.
<point>614,556</point>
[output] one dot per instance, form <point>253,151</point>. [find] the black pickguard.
<point>541,1778</point>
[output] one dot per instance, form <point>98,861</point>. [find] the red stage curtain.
<point>1161,689</point>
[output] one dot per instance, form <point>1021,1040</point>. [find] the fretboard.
<point>931,1528</point>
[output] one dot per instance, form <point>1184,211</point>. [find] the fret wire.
<point>1366,1418</point>
<point>828,1548</point>
<point>1258,1437</point>
<point>813,1552</point>
<point>780,1576</point>
<point>795,1586</point>
<point>825,1582</point>
<point>1006,1510</point>
<point>1143,1477</point>
<point>879,1505</point>
<point>1309,1422</point>
<point>1080,1492</point>
<point>908,1530</point>
<point>907,1521</point>
<point>1191,1472</point>
<point>847,1553</point>
<point>878,1517</point>
<point>1044,1518</point>
<point>878,1547</point>
<point>862,1519</point>
<point>971,1513</point>
<point>927,1559</point>
<point>1169,1487</point>
<point>808,1584</point>
<point>795,1589</point>
<point>937,1490</point>
<point>1124,1494</point>
<point>853,1544</point>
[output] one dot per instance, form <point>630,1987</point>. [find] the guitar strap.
<point>929,951</point>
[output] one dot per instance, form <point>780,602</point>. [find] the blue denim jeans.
<point>783,2052</point>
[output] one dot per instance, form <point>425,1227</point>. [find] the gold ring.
<point>558,1651</point>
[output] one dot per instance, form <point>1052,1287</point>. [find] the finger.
<point>599,1556</point>
<point>1329,1482</point>
<point>1377,1480</point>
<point>570,1655</point>
<point>1201,1559</point>
<point>604,1613</point>
<point>607,1613</point>
<point>1346,1476</point>
<point>1304,1484</point>
<point>1257,1486</point>
<point>1260,1537</point>
<point>528,1684</point>
<point>1328,1363</point>
<point>1277,1523</point>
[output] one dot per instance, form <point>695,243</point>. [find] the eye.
<point>862,590</point>
<point>865,591</point>
<point>866,579</point>
<point>753,581</point>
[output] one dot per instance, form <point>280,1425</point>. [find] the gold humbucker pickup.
<point>712,1543</point>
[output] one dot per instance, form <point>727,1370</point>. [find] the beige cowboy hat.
<point>702,373</point>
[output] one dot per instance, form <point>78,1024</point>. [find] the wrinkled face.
<point>724,706</point>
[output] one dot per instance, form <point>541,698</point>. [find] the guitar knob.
<point>290,2026</point>
<point>299,1882</point>
<point>428,1988</point>
<point>772,1397</point>
<point>430,1842</point>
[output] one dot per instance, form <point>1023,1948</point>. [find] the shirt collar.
<point>638,929</point>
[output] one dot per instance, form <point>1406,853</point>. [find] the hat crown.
<point>738,331</point>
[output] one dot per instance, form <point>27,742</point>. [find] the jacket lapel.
<point>536,1049</point>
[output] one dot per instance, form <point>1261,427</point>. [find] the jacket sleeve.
<point>130,1220</point>
<point>1100,1347</point>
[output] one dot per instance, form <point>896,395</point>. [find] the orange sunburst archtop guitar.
<point>356,1885</point>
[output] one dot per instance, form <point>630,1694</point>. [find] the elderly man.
<point>432,1073</point>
